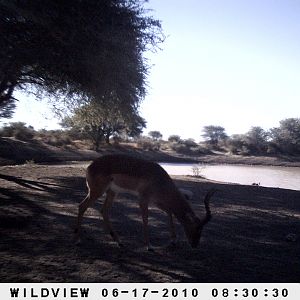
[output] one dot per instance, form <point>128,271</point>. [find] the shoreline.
<point>160,157</point>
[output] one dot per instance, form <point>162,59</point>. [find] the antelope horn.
<point>207,208</point>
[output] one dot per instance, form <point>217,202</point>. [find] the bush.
<point>55,138</point>
<point>189,143</point>
<point>182,149</point>
<point>24,134</point>
<point>187,150</point>
<point>155,135</point>
<point>148,144</point>
<point>58,141</point>
<point>18,130</point>
<point>236,143</point>
<point>174,138</point>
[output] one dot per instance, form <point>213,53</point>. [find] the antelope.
<point>113,174</point>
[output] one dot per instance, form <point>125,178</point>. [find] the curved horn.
<point>207,208</point>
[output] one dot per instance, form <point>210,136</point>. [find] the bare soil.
<point>244,242</point>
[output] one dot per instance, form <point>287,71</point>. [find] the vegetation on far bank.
<point>98,87</point>
<point>21,143</point>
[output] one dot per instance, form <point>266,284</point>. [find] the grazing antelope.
<point>113,174</point>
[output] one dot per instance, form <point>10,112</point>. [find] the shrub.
<point>181,148</point>
<point>236,143</point>
<point>189,143</point>
<point>55,138</point>
<point>148,144</point>
<point>155,135</point>
<point>197,170</point>
<point>187,150</point>
<point>174,138</point>
<point>18,130</point>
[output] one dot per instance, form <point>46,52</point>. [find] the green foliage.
<point>188,147</point>
<point>214,135</point>
<point>181,148</point>
<point>57,138</point>
<point>286,138</point>
<point>174,138</point>
<point>135,125</point>
<point>256,140</point>
<point>148,144</point>
<point>189,143</point>
<point>19,130</point>
<point>155,135</point>
<point>236,143</point>
<point>102,121</point>
<point>77,50</point>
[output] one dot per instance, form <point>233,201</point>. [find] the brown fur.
<point>112,174</point>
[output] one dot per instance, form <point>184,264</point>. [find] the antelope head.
<point>193,225</point>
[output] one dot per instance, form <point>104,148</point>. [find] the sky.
<point>230,63</point>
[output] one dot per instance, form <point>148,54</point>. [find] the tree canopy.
<point>286,137</point>
<point>174,138</point>
<point>75,50</point>
<point>100,121</point>
<point>256,140</point>
<point>214,134</point>
<point>155,135</point>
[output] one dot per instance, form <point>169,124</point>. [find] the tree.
<point>155,135</point>
<point>174,138</point>
<point>286,138</point>
<point>189,143</point>
<point>75,50</point>
<point>100,121</point>
<point>236,143</point>
<point>214,135</point>
<point>256,140</point>
<point>135,125</point>
<point>19,130</point>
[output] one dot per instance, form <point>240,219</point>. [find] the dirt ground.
<point>246,240</point>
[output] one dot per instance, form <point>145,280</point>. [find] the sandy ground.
<point>244,242</point>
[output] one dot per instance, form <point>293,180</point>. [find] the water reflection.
<point>282,177</point>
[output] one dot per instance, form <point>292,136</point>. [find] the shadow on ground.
<point>244,242</point>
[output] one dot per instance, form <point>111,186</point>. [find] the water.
<point>279,177</point>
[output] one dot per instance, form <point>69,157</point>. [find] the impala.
<point>113,174</point>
